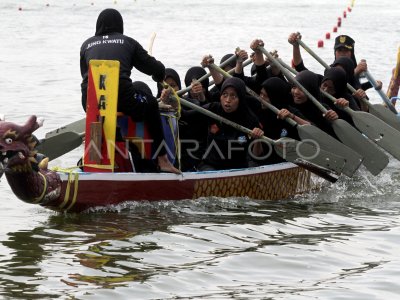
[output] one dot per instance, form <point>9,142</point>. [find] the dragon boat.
<point>77,191</point>
<point>102,182</point>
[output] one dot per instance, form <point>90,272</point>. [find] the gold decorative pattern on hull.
<point>272,185</point>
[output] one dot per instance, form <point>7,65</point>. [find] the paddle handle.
<point>254,94</point>
<point>245,64</point>
<point>313,54</point>
<point>204,77</point>
<point>333,99</point>
<point>290,77</point>
<point>294,71</point>
<point>380,92</point>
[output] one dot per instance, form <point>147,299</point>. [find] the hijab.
<point>232,64</point>
<point>348,65</point>
<point>310,81</point>
<point>278,92</point>
<point>242,115</point>
<point>195,73</point>
<point>239,87</point>
<point>339,79</point>
<point>109,21</point>
<point>170,73</point>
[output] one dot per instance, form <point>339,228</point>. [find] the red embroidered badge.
<point>214,128</point>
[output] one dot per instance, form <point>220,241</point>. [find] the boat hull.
<point>82,190</point>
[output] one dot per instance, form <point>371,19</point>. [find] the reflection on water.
<point>143,243</point>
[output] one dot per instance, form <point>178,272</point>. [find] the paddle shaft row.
<point>375,160</point>
<point>351,88</point>
<point>290,77</point>
<point>328,95</point>
<point>374,128</point>
<point>204,77</point>
<point>245,64</point>
<point>310,132</point>
<point>388,116</point>
<point>333,163</point>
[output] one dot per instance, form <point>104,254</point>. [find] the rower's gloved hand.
<point>158,77</point>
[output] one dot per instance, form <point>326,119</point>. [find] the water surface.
<point>340,242</point>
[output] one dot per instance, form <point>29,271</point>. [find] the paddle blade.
<point>374,159</point>
<point>77,126</point>
<point>59,145</point>
<point>385,115</point>
<point>378,131</point>
<point>317,137</point>
<point>298,152</point>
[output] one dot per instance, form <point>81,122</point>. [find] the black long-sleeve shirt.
<point>130,54</point>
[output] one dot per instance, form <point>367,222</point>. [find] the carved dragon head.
<point>17,145</point>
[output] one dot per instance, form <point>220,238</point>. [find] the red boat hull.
<point>81,191</point>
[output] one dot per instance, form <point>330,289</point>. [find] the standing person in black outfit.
<point>110,43</point>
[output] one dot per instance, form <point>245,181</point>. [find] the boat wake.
<point>362,188</point>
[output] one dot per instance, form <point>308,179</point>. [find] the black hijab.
<point>239,87</point>
<point>310,81</point>
<point>312,113</point>
<point>339,79</point>
<point>109,21</point>
<point>278,92</point>
<point>232,64</point>
<point>242,115</point>
<point>171,73</point>
<point>195,73</point>
<point>348,65</point>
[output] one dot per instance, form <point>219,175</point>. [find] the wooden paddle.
<point>313,134</point>
<point>374,159</point>
<point>379,111</point>
<point>245,64</point>
<point>60,144</point>
<point>374,109</point>
<point>151,43</point>
<point>205,76</point>
<point>393,88</point>
<point>377,130</point>
<point>322,163</point>
<point>76,126</point>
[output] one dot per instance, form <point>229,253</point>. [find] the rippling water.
<point>340,242</point>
